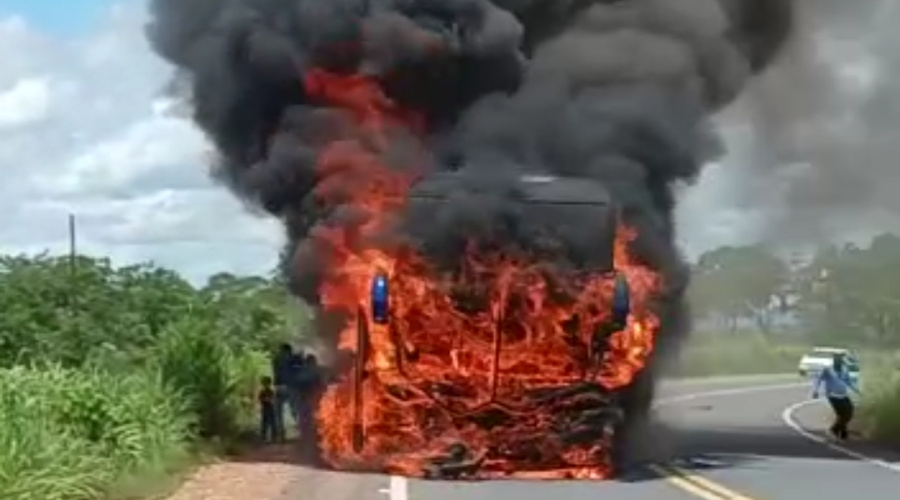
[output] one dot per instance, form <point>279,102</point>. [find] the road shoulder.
<point>812,418</point>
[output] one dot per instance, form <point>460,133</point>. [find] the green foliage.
<point>839,294</point>
<point>738,282</point>
<point>742,353</point>
<point>880,409</point>
<point>852,289</point>
<point>109,371</point>
<point>844,295</point>
<point>53,310</point>
<point>215,380</point>
<point>70,433</point>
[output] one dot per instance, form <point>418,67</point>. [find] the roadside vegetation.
<point>115,379</point>
<point>880,409</point>
<point>745,353</point>
<point>758,312</point>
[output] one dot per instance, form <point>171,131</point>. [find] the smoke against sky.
<point>614,91</point>
<point>737,200</point>
<point>821,148</point>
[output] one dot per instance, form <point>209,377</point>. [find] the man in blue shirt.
<point>838,385</point>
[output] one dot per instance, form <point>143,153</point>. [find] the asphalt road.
<point>724,439</point>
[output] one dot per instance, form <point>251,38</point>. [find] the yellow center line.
<point>695,484</point>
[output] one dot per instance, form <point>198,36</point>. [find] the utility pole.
<point>73,288</point>
<point>72,247</point>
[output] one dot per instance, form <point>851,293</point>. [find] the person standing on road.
<point>311,385</point>
<point>838,385</point>
<point>268,429</point>
<point>294,386</point>
<point>284,375</point>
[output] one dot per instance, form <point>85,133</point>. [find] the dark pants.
<point>843,414</point>
<point>309,439</point>
<point>268,423</point>
<point>285,399</point>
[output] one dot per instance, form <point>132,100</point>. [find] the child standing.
<point>266,399</point>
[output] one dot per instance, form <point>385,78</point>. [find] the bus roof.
<point>541,189</point>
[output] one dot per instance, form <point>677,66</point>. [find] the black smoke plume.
<point>614,90</point>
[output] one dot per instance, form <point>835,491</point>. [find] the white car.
<point>812,363</point>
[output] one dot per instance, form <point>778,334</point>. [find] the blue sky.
<point>59,17</point>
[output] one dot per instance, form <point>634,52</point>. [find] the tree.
<point>851,292</point>
<point>94,311</point>
<point>739,282</point>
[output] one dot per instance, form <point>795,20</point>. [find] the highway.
<point>722,439</point>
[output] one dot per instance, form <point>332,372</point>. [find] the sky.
<point>61,18</point>
<point>84,130</point>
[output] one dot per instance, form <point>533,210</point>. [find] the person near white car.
<point>838,385</point>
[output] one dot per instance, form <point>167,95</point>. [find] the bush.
<point>215,381</point>
<point>118,370</point>
<point>879,417</point>
<point>71,434</point>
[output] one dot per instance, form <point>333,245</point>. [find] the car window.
<point>824,351</point>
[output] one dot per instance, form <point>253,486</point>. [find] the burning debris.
<point>491,333</point>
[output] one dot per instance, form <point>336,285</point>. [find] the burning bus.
<point>484,327</point>
<point>507,365</point>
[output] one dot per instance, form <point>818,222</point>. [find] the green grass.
<point>72,434</point>
<point>743,353</point>
<point>86,433</point>
<point>114,380</point>
<point>879,415</point>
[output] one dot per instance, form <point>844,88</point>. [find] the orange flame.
<point>433,368</point>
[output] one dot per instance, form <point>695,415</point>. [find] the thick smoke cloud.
<point>823,119</point>
<point>619,91</point>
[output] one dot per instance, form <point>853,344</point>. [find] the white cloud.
<point>85,131</point>
<point>24,103</point>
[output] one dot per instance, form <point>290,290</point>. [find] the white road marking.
<point>788,417</point>
<point>729,379</point>
<point>399,488</point>
<point>737,391</point>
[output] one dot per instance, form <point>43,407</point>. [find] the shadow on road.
<point>686,448</point>
<point>721,448</point>
<point>283,453</point>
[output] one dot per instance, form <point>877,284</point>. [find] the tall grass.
<point>110,375</point>
<point>879,415</point>
<point>742,353</point>
<point>70,434</point>
<point>215,381</point>
<point>76,433</point>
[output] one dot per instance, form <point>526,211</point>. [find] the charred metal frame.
<point>585,193</point>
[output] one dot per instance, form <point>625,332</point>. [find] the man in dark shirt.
<point>284,372</point>
<point>310,383</point>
